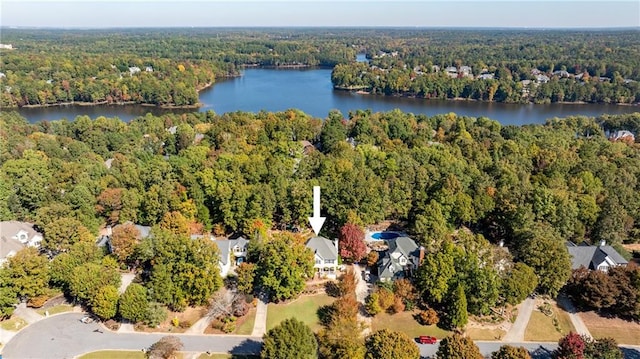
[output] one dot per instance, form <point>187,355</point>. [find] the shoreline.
<point>360,91</point>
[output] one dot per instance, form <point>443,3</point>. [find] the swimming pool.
<point>385,235</point>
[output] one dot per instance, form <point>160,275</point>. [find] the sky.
<point>314,13</point>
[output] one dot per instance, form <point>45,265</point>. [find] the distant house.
<point>400,260</point>
<point>561,73</point>
<point>600,257</point>
<point>6,46</point>
<point>325,256</point>
<point>307,147</point>
<point>542,79</point>
<point>622,135</point>
<point>451,71</point>
<point>105,240</point>
<point>466,71</point>
<point>486,76</point>
<point>148,69</point>
<point>232,253</point>
<point>14,236</point>
<point>134,70</point>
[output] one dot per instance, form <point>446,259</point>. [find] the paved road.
<point>63,336</point>
<point>517,330</point>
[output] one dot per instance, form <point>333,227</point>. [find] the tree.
<point>88,278</point>
<point>175,223</point>
<point>458,347</point>
<point>124,239</point>
<point>390,344</point>
<point>372,304</point>
<point>509,352</point>
<point>404,289</point>
<point>435,273</point>
<point>544,251</point>
<point>27,273</point>
<point>282,268</point>
<point>165,348</point>
<point>385,298</point>
<point>156,314</point>
<point>291,339</point>
<point>351,243</point>
<point>133,304</point>
<point>61,234</point>
<point>372,258</point>
<point>571,346</point>
<point>457,316</point>
<point>8,295</point>
<point>518,283</point>
<point>603,348</point>
<point>105,302</point>
<point>246,273</point>
<point>333,131</point>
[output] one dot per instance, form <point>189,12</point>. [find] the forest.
<point>167,67</point>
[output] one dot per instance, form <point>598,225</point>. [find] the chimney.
<point>335,243</point>
<point>501,243</point>
<point>603,243</point>
<point>421,258</point>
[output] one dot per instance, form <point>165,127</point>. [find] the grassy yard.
<point>60,308</point>
<point>485,334</point>
<point>624,332</point>
<point>114,354</point>
<point>304,308</point>
<point>404,322</point>
<point>247,325</point>
<point>13,324</point>
<point>541,328</point>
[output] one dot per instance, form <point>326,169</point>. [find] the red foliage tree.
<point>352,246</point>
<point>570,347</point>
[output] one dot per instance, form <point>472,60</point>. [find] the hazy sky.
<point>137,13</point>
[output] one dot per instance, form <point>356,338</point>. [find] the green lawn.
<point>247,326</point>
<point>13,324</point>
<point>404,322</point>
<point>61,308</point>
<point>541,328</point>
<point>304,308</point>
<point>114,354</point>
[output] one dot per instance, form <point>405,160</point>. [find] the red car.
<point>425,339</point>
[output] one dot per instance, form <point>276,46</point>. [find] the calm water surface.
<point>310,90</point>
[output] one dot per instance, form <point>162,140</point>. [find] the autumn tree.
<point>165,348</point>
<point>110,204</point>
<point>457,346</point>
<point>124,239</point>
<point>245,273</point>
<point>104,303</point>
<point>386,343</point>
<point>291,339</point>
<point>351,243</point>
<point>510,352</point>
<point>602,348</point>
<point>372,258</point>
<point>404,289</point>
<point>27,273</point>
<point>175,223</point>
<point>61,234</point>
<point>571,346</point>
<point>133,304</point>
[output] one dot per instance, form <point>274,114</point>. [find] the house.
<point>466,71</point>
<point>601,257</point>
<point>325,254</point>
<point>6,46</point>
<point>232,252</point>
<point>622,135</point>
<point>400,260</point>
<point>105,240</point>
<point>16,235</point>
<point>307,147</point>
<point>134,70</point>
<point>542,79</point>
<point>148,69</point>
<point>561,73</point>
<point>486,76</point>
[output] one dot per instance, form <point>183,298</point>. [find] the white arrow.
<point>316,221</point>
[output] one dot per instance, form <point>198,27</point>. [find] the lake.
<point>311,91</point>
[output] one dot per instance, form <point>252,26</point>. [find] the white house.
<point>134,70</point>
<point>600,257</point>
<point>325,255</point>
<point>400,260</point>
<point>14,236</point>
<point>232,253</point>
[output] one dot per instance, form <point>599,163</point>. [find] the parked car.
<point>87,319</point>
<point>426,339</point>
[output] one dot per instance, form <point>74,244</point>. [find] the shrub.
<point>428,317</point>
<point>37,302</point>
<point>372,304</point>
<point>155,315</point>
<point>185,324</point>
<point>240,308</point>
<point>398,305</point>
<point>385,299</point>
<point>229,324</point>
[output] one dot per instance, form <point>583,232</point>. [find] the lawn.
<point>624,332</point>
<point>13,324</point>
<point>228,356</point>
<point>404,322</point>
<point>246,327</point>
<point>304,308</point>
<point>60,308</point>
<point>185,320</point>
<point>541,328</point>
<point>485,334</point>
<point>114,354</point>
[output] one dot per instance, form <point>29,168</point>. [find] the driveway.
<point>362,291</point>
<point>64,336</point>
<point>516,332</point>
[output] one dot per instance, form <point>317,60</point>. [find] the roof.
<point>389,263</point>
<point>10,242</point>
<point>323,247</point>
<point>225,246</point>
<point>145,231</point>
<point>592,256</point>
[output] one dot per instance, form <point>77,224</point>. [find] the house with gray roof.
<point>325,254</point>
<point>600,257</point>
<point>400,259</point>
<point>232,253</point>
<point>105,240</point>
<point>16,235</point>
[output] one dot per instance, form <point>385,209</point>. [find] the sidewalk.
<point>577,322</point>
